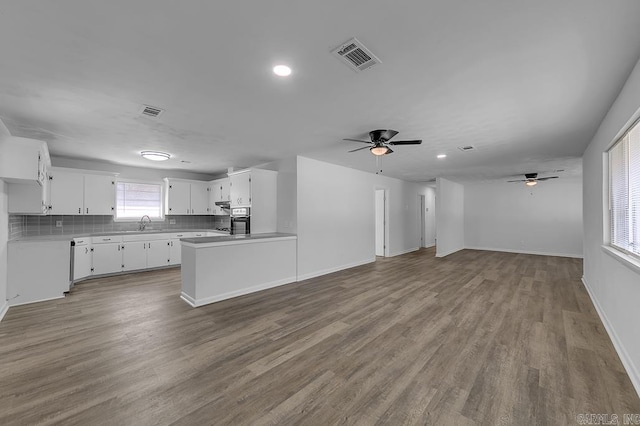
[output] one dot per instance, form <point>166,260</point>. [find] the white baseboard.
<point>399,253</point>
<point>335,269</point>
<point>4,309</point>
<point>448,253</point>
<point>429,246</point>
<point>539,253</point>
<point>37,301</point>
<point>627,361</point>
<point>241,292</point>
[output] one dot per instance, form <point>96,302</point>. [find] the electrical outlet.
<point>58,224</point>
<point>172,221</point>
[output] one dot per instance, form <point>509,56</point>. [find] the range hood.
<point>223,204</point>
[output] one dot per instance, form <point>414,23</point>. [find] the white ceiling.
<point>525,82</point>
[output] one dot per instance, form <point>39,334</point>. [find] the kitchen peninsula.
<point>222,267</point>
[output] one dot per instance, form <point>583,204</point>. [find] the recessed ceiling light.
<point>155,155</point>
<point>442,155</point>
<point>282,70</point>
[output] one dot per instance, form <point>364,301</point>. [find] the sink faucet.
<point>142,223</point>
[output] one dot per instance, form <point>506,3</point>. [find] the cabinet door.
<point>67,192</point>
<point>134,255</point>
<point>240,189</point>
<point>214,195</point>
<point>199,198</point>
<point>81,262</point>
<point>179,197</point>
<point>175,252</point>
<point>107,258</point>
<point>99,194</point>
<point>157,253</point>
<point>224,190</point>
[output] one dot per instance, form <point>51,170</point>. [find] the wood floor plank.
<point>477,337</point>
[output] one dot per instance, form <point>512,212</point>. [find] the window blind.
<point>624,192</point>
<point>134,200</point>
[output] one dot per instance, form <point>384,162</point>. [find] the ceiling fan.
<point>380,142</point>
<point>532,179</point>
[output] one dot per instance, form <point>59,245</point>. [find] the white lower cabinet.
<point>150,252</point>
<point>82,257</point>
<point>157,253</point>
<point>107,255</point>
<point>175,252</point>
<point>134,255</point>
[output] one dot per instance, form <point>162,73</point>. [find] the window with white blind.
<point>136,199</point>
<point>624,192</point>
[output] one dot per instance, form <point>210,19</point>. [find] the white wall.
<point>4,237</point>
<point>336,212</point>
<point>449,217</point>
<point>614,285</point>
<point>543,219</point>
<point>287,193</point>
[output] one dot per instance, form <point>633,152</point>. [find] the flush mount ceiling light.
<point>380,150</point>
<point>282,70</point>
<point>442,155</point>
<point>155,155</point>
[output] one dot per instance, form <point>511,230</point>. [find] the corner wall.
<point>336,212</point>
<point>449,217</point>
<point>4,237</point>
<point>544,219</point>
<point>614,286</point>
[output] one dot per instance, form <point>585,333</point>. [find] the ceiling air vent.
<point>466,148</point>
<point>151,111</point>
<point>355,55</point>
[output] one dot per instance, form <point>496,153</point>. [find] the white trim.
<point>335,269</point>
<point>207,300</point>
<point>622,257</point>
<point>190,300</point>
<point>400,253</point>
<point>4,309</point>
<point>449,252</point>
<point>231,240</point>
<point>429,246</point>
<point>627,361</point>
<point>537,253</point>
<point>36,301</point>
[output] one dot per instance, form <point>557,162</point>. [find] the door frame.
<point>385,226</point>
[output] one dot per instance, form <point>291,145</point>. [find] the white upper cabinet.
<point>258,189</point>
<point>66,191</point>
<point>199,197</point>
<point>73,192</point>
<point>99,194</point>
<point>23,160</point>
<point>240,188</point>
<point>218,192</point>
<point>186,197</point>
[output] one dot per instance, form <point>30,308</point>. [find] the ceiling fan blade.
<point>547,178</point>
<point>389,151</point>
<point>356,140</point>
<point>519,180</point>
<point>413,142</point>
<point>358,149</point>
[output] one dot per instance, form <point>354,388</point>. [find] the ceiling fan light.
<point>379,150</point>
<point>531,183</point>
<point>155,155</point>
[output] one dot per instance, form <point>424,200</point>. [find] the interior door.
<point>380,222</point>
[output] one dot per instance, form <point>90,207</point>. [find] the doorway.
<point>380,221</point>
<point>422,219</point>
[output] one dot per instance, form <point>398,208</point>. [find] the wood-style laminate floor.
<point>475,338</point>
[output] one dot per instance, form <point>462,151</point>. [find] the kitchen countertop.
<point>234,239</point>
<point>69,237</point>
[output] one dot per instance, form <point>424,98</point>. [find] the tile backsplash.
<point>28,226</point>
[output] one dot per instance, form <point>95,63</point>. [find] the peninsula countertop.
<point>220,240</point>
